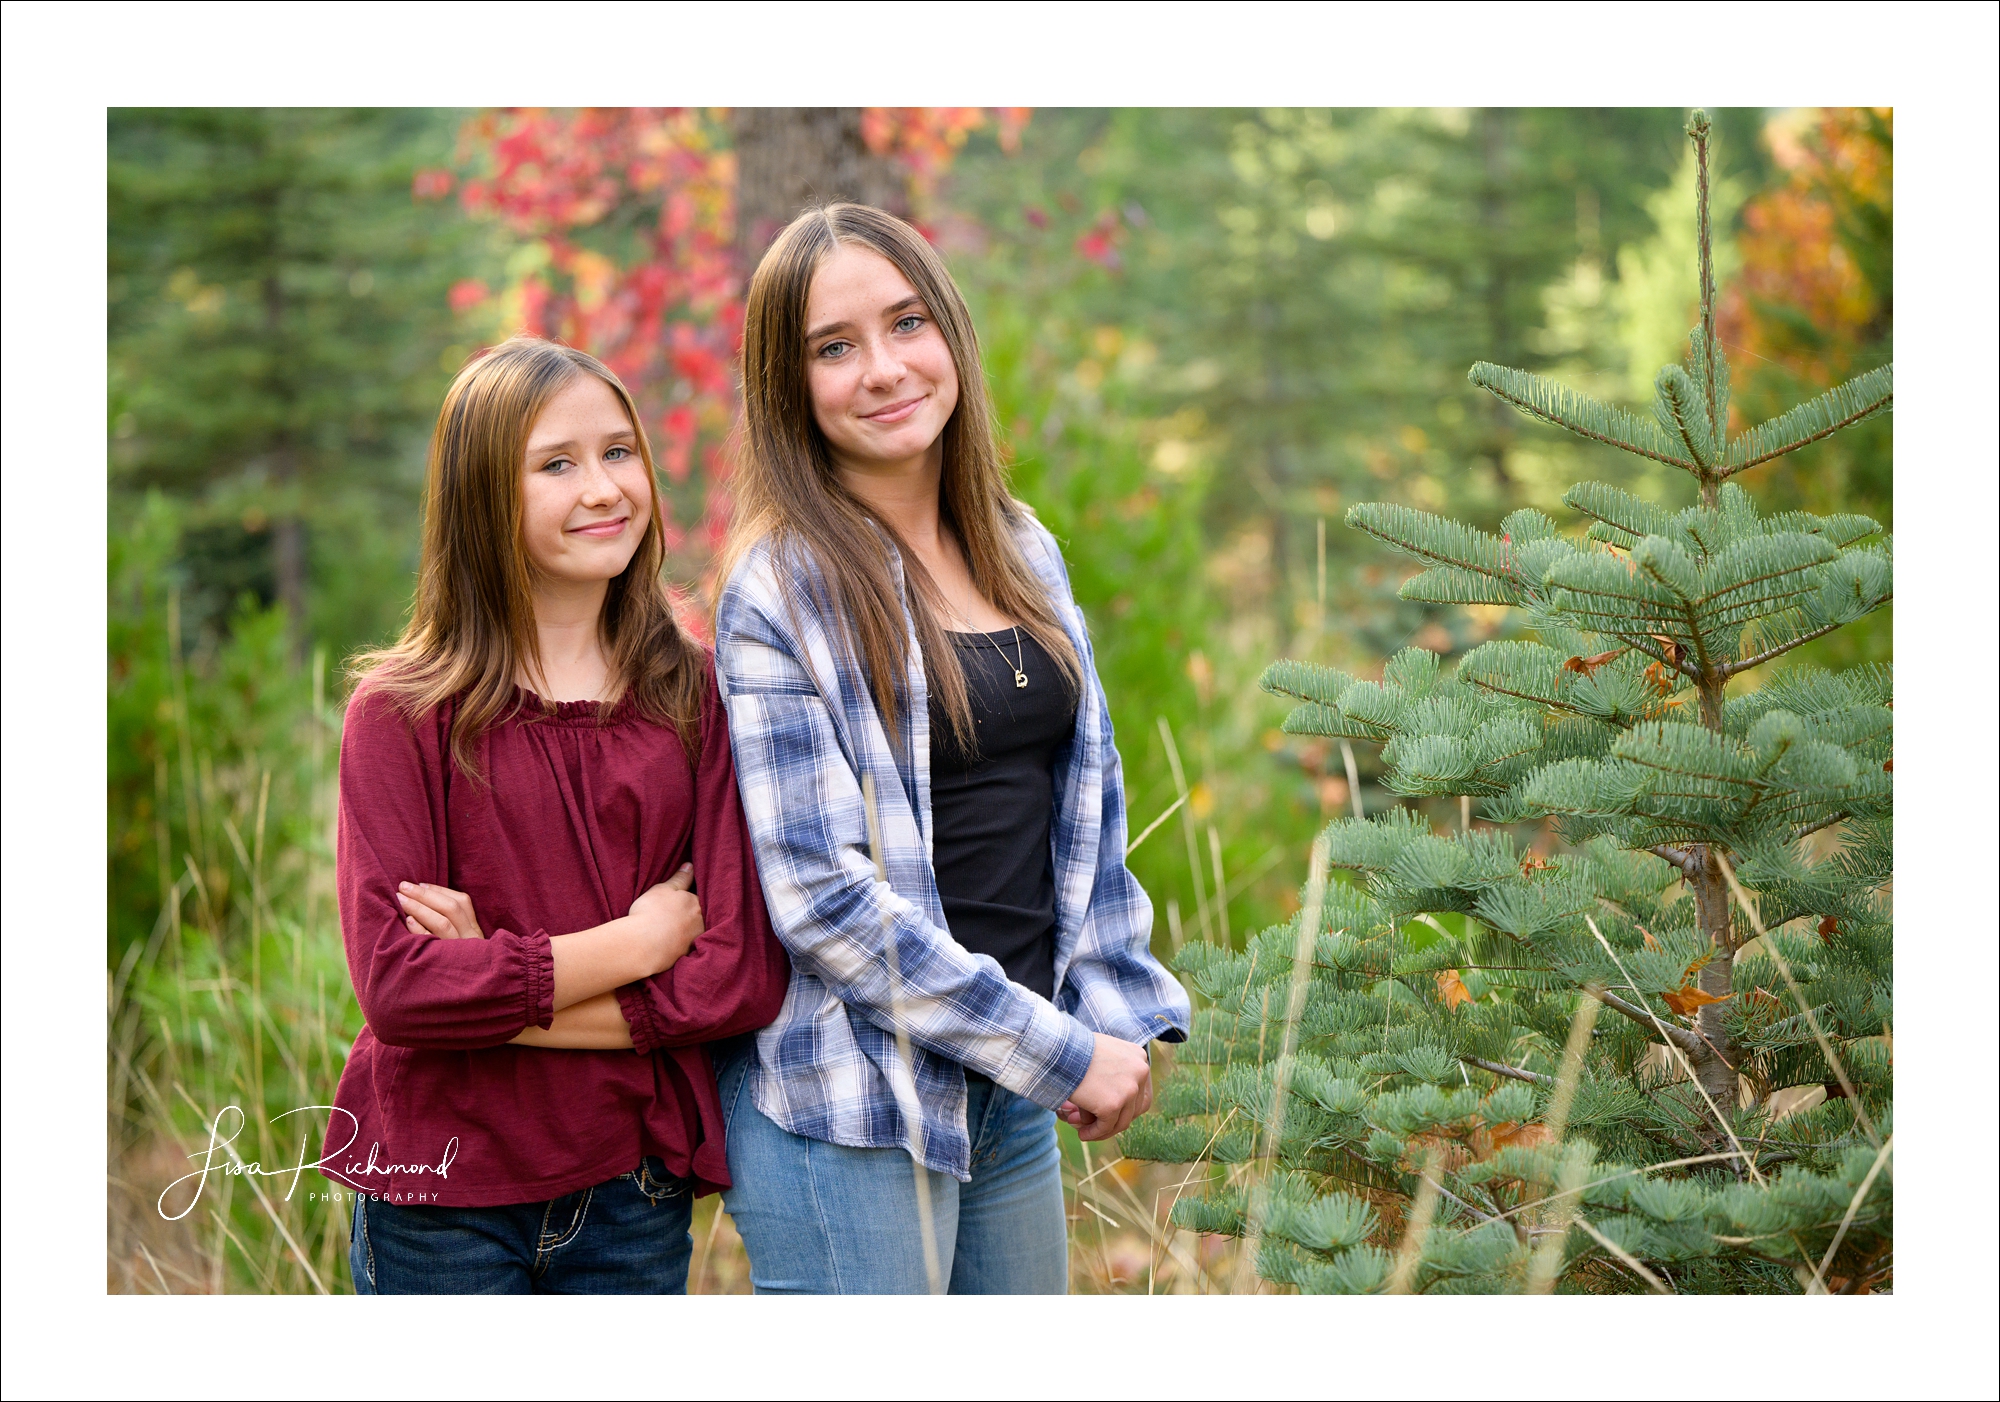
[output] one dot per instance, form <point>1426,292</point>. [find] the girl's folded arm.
<point>417,990</point>
<point>595,1024</point>
<point>733,979</point>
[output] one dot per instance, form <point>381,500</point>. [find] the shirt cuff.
<point>538,963</point>
<point>639,1020</point>
<point>1049,1063</point>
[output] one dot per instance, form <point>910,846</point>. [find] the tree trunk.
<point>791,158</point>
<point>288,533</point>
<point>288,541</point>
<point>1713,1064</point>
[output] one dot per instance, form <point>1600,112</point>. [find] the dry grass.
<point>1120,1242</point>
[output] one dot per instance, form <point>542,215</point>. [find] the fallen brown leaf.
<point>1587,665</point>
<point>1688,1000</point>
<point>1452,988</point>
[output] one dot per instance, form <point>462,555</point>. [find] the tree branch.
<point>1672,856</point>
<point>1689,1042</point>
<point>1533,1078</point>
<point>1572,420</point>
<point>1732,668</point>
<point>1811,828</point>
<point>1686,669</point>
<point>1799,443</point>
<point>1482,1216</point>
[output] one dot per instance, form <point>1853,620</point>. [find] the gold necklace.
<point>1020,658</point>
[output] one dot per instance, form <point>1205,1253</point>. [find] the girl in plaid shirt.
<point>934,801</point>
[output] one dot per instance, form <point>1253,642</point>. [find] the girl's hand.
<point>668,919</point>
<point>1116,1090</point>
<point>438,910</point>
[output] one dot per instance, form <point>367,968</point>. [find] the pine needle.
<point>1621,1253</point>
<point>1847,1219</point>
<point>1812,1019</point>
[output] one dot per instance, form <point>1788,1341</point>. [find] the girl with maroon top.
<point>546,887</point>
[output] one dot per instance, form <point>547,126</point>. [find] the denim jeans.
<point>826,1219</point>
<point>628,1236</point>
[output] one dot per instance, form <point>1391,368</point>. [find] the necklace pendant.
<point>1020,680</point>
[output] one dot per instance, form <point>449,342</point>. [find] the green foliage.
<point>209,739</point>
<point>1859,399</point>
<point>1562,406</point>
<point>228,982</point>
<point>1131,532</point>
<point>1278,306</point>
<point>279,339</point>
<point>1466,1073</point>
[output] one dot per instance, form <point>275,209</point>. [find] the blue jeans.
<point>628,1236</point>
<point>826,1219</point>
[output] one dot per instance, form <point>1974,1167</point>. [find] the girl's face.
<point>585,498</point>
<point>882,382</point>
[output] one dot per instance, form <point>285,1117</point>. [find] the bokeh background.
<point>1208,333</point>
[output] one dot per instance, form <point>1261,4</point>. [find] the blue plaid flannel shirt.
<point>805,730</point>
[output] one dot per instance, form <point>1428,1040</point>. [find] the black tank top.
<point>991,810</point>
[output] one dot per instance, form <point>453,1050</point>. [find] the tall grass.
<point>229,1006</point>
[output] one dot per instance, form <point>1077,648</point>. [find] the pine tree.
<point>1409,1086</point>
<point>279,337</point>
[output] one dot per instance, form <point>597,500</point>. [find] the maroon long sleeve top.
<point>577,816</point>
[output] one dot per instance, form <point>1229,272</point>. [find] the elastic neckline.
<point>534,708</point>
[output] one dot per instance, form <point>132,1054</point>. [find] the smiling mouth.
<point>895,413</point>
<point>601,529</point>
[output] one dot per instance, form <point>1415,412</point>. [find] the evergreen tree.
<point>279,338</point>
<point>1412,1074</point>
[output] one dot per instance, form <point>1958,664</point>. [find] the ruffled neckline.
<point>535,710</point>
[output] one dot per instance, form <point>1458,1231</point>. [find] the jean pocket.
<point>655,1183</point>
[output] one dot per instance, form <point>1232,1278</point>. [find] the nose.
<point>883,367</point>
<point>598,488</point>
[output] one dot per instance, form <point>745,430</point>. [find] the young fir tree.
<point>1398,1106</point>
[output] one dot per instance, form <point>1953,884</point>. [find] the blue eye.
<point>617,454</point>
<point>556,465</point>
<point>909,323</point>
<point>833,350</point>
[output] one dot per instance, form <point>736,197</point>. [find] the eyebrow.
<point>535,450</point>
<point>913,300</point>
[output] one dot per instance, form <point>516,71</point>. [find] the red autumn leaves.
<point>627,222</point>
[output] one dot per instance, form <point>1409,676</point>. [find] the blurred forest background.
<point>1208,332</point>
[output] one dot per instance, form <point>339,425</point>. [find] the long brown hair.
<point>787,488</point>
<point>472,627</point>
